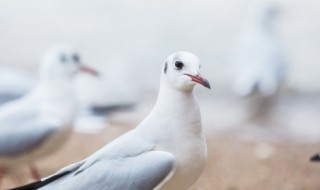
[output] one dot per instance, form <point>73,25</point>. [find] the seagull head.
<point>266,14</point>
<point>181,70</point>
<point>63,61</point>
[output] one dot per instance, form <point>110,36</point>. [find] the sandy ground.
<point>239,157</point>
<point>233,164</point>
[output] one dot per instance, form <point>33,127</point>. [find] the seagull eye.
<point>76,58</point>
<point>178,65</point>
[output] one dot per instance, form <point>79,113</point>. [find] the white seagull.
<point>259,60</point>
<point>38,123</point>
<point>92,116</point>
<point>259,65</point>
<point>166,151</point>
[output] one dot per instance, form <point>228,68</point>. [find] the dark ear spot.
<point>165,67</point>
<point>76,58</point>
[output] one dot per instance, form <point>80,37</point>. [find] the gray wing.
<point>16,140</point>
<point>14,84</point>
<point>8,96</point>
<point>19,111</point>
<point>143,172</point>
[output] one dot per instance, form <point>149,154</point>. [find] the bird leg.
<point>34,172</point>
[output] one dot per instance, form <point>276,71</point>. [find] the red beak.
<point>200,79</point>
<point>89,70</point>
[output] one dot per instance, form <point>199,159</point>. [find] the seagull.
<point>39,122</point>
<point>92,116</point>
<point>259,63</point>
<point>167,150</point>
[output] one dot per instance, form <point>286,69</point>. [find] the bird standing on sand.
<point>38,123</point>
<point>166,151</point>
<point>259,63</point>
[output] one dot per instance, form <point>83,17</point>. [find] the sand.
<point>239,157</point>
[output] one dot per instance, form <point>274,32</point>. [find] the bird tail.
<point>38,184</point>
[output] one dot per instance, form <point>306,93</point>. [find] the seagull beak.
<point>88,70</point>
<point>200,79</point>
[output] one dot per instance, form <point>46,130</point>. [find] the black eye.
<point>178,65</point>
<point>76,58</point>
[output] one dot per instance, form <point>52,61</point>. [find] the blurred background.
<point>127,41</point>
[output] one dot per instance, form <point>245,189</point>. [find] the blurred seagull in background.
<point>259,64</point>
<point>92,115</point>
<point>39,122</point>
<point>166,151</point>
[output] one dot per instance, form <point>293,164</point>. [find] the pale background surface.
<point>130,39</point>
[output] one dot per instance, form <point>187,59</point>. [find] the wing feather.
<point>143,172</point>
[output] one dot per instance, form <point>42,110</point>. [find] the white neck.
<point>174,111</point>
<point>58,99</point>
<point>172,101</point>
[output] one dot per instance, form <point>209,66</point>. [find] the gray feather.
<point>16,140</point>
<point>7,97</point>
<point>142,172</point>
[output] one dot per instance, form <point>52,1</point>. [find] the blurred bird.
<point>39,122</point>
<point>91,117</point>
<point>166,151</point>
<point>259,64</point>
